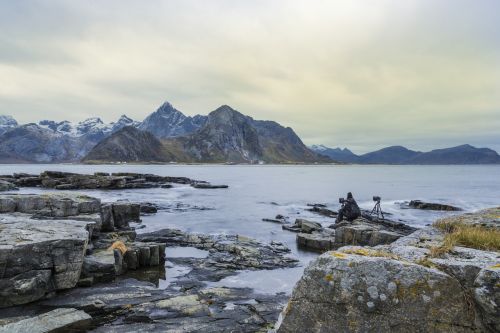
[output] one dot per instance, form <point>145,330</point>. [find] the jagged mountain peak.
<point>226,115</point>
<point>124,117</point>
<point>7,120</point>
<point>91,121</point>
<point>168,122</point>
<point>167,109</point>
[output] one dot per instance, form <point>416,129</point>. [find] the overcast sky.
<point>357,74</point>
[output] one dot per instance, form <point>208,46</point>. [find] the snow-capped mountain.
<point>226,136</point>
<point>122,122</point>
<point>94,127</point>
<point>6,123</point>
<point>52,141</point>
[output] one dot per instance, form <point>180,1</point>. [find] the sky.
<point>358,74</point>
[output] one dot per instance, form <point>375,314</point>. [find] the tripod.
<point>377,210</point>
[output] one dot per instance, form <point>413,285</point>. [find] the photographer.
<point>350,209</point>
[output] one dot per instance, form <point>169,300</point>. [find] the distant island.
<point>223,136</point>
<point>464,154</point>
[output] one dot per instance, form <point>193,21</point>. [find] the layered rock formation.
<point>401,287</point>
<point>73,181</point>
<point>45,240</point>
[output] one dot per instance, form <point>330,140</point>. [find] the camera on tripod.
<point>377,209</point>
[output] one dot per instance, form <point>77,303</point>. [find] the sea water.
<point>263,191</point>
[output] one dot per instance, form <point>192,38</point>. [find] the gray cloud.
<point>358,74</point>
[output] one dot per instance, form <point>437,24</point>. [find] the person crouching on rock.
<point>350,209</point>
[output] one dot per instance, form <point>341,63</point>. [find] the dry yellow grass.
<point>467,235</point>
<point>120,246</point>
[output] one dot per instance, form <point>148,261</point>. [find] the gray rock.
<point>308,226</point>
<point>46,254</point>
<point>6,186</point>
<point>108,222</point>
<point>352,293</point>
<point>322,210</point>
<point>400,287</point>
<point>57,320</point>
<point>100,266</point>
<point>487,296</point>
<point>316,241</point>
<point>208,186</point>
<point>359,232</point>
<point>123,213</point>
<point>418,204</point>
<point>53,205</point>
<point>227,252</point>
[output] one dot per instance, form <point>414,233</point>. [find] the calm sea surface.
<point>257,192</point>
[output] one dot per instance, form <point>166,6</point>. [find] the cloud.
<point>349,73</point>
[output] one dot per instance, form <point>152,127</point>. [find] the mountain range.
<point>166,135</point>
<point>223,136</point>
<point>464,154</point>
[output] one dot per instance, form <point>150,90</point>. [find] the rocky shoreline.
<point>367,230</point>
<point>69,262</point>
<point>100,180</point>
<point>92,272</point>
<point>418,283</point>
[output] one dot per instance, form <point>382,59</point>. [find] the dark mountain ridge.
<point>226,136</point>
<point>463,154</point>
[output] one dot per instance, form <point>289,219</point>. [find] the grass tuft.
<point>120,246</point>
<point>467,235</point>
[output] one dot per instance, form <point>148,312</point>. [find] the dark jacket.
<point>350,211</point>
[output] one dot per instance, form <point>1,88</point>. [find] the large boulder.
<point>317,241</point>
<point>341,292</point>
<point>39,256</point>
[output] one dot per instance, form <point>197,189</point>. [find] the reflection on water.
<point>148,274</point>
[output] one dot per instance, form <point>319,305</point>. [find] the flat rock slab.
<point>227,252</point>
<point>58,320</point>
<point>50,205</point>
